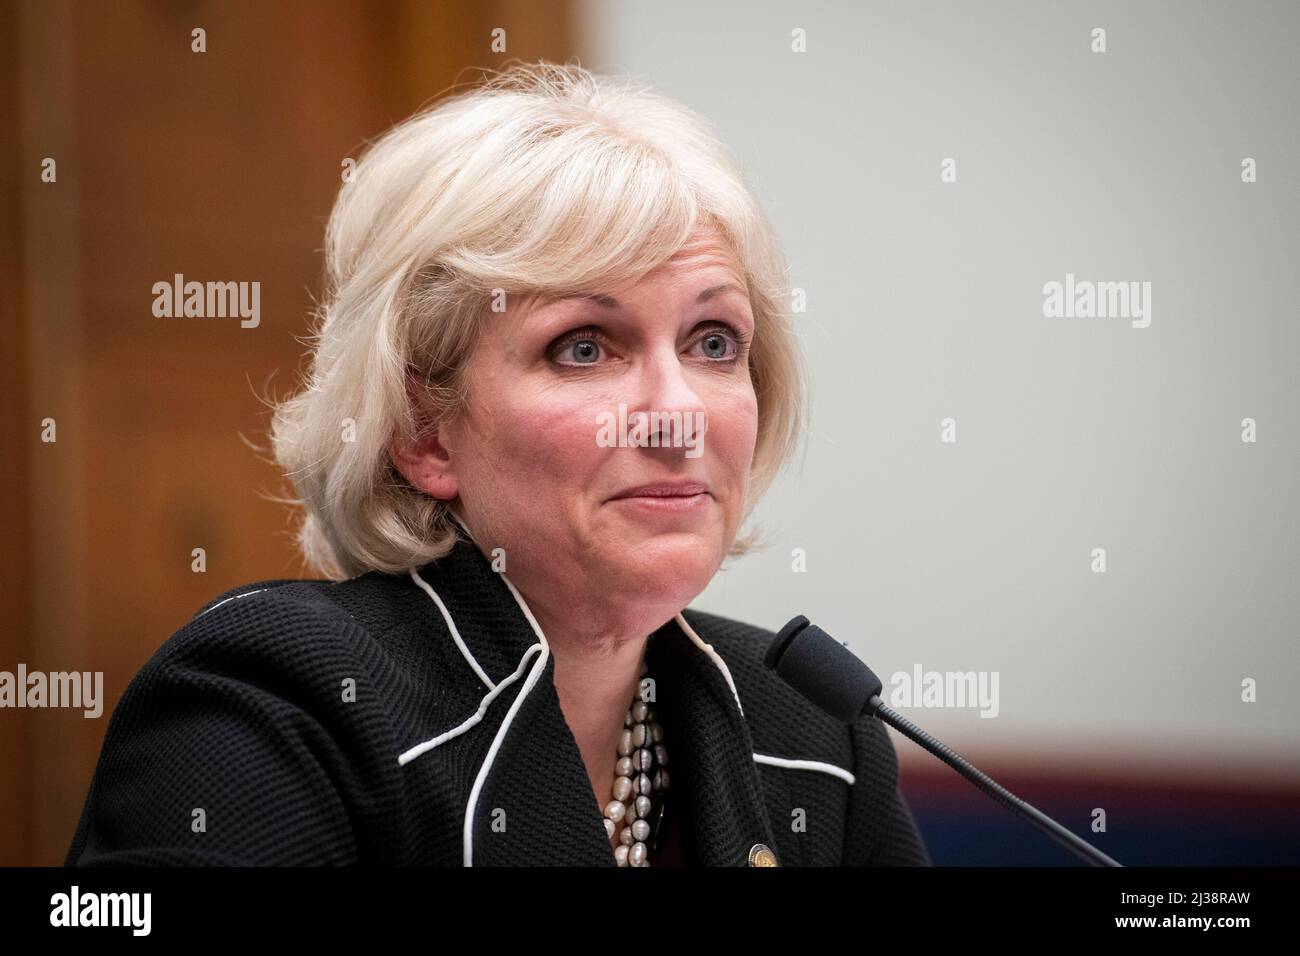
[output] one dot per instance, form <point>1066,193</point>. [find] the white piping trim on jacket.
<point>824,767</point>
<point>542,648</point>
<point>451,626</point>
<point>539,665</point>
<point>492,695</point>
<point>533,675</point>
<point>761,758</point>
<point>231,598</point>
<point>712,655</point>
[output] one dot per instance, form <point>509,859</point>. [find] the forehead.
<point>704,260</point>
<point>705,248</point>
<point>706,242</point>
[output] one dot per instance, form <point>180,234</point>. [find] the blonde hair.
<point>544,179</point>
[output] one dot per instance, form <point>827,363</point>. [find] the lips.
<point>665,489</point>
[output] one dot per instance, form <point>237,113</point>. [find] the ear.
<point>423,461</point>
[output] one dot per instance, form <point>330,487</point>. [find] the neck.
<point>597,671</point>
<point>596,681</point>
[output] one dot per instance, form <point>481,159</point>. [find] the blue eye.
<point>586,346</point>
<point>577,347</point>
<point>585,351</point>
<point>718,340</point>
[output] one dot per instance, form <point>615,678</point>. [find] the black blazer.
<point>298,722</point>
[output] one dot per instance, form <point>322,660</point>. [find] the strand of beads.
<point>640,784</point>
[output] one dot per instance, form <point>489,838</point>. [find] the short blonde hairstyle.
<point>544,179</point>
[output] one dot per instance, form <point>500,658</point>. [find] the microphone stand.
<point>1079,847</point>
<point>836,680</point>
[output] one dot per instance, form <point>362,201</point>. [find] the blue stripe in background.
<point>1162,828</point>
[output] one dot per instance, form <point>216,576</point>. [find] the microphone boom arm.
<point>1079,847</point>
<point>840,683</point>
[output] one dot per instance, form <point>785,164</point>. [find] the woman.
<point>544,294</point>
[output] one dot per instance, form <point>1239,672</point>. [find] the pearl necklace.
<point>641,770</point>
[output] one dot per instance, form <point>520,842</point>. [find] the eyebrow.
<point>610,302</point>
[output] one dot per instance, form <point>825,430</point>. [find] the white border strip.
<point>712,655</point>
<point>824,767</point>
<point>451,626</point>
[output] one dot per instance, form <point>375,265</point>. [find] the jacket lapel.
<point>535,805</point>
<point>713,780</point>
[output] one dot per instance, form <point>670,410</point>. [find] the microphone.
<point>831,676</point>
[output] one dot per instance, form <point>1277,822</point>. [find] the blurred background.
<point>930,167</point>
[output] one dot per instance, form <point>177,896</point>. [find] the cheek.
<point>733,426</point>
<point>541,438</point>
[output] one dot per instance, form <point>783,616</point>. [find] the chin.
<point>675,566</point>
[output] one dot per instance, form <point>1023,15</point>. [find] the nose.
<point>664,388</point>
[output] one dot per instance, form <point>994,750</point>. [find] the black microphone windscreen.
<point>823,670</point>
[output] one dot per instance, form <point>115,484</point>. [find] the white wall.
<point>925,301</point>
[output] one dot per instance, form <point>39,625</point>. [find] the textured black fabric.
<point>239,720</point>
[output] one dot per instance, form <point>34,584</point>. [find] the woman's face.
<point>541,464</point>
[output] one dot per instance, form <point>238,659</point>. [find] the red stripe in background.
<point>1162,792</point>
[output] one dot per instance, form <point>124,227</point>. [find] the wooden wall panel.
<point>15,583</point>
<point>222,166</point>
